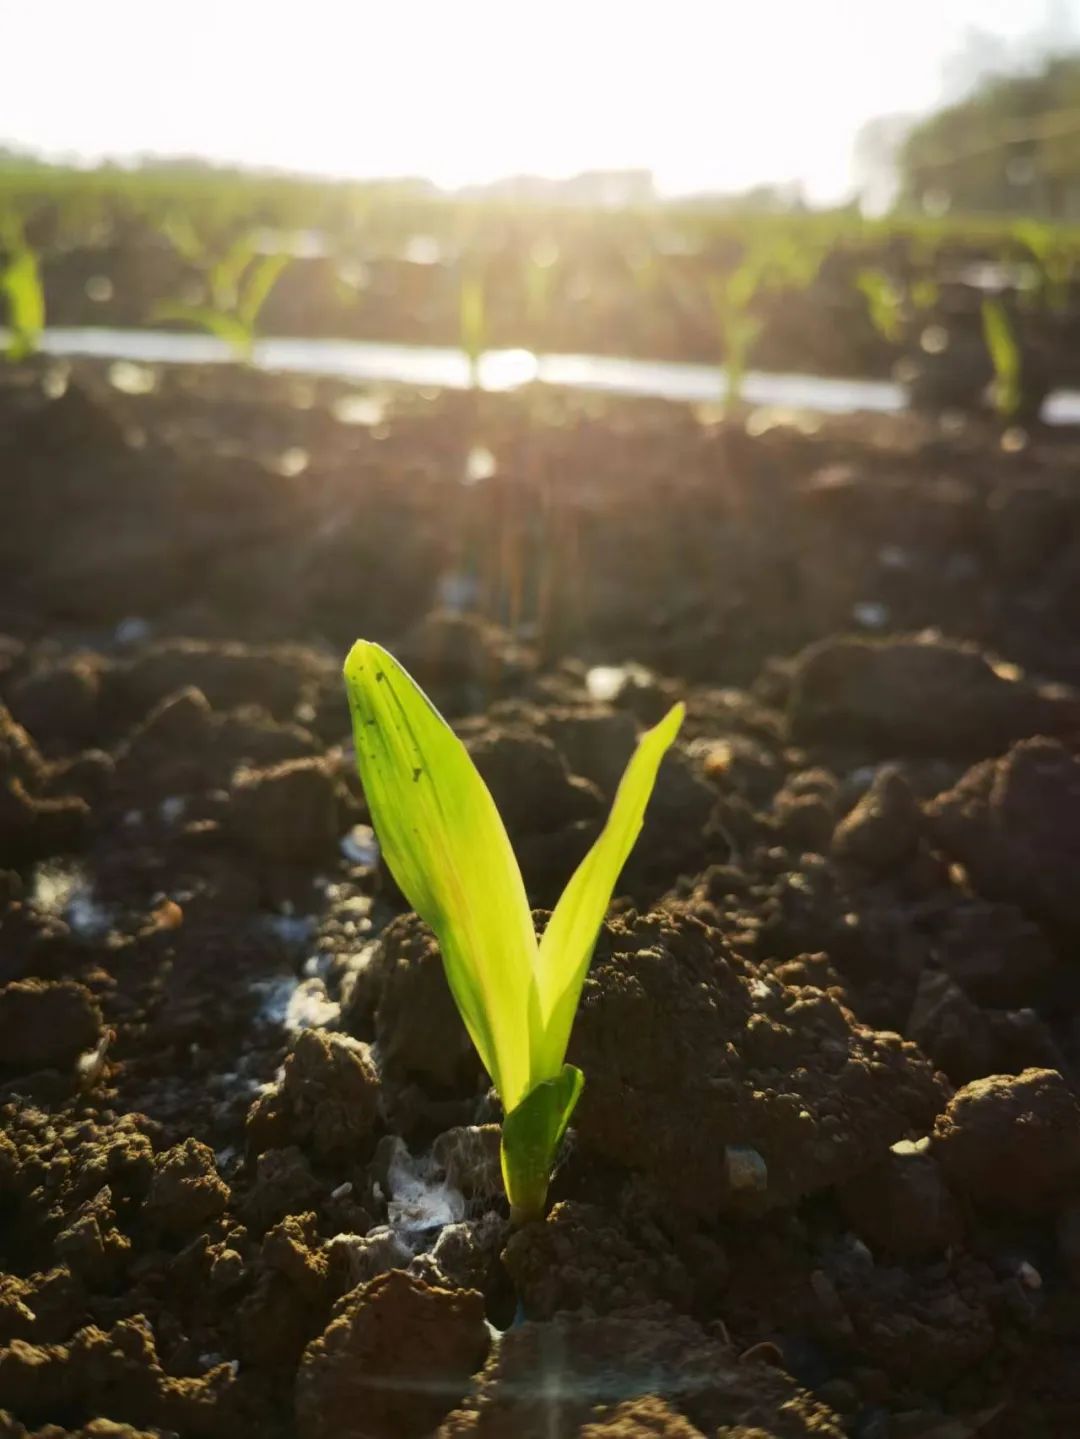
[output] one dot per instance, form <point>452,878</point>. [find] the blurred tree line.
<point>1011,146</point>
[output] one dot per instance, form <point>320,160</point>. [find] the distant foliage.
<point>1011,147</point>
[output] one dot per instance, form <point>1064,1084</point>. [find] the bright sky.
<point>709,94</point>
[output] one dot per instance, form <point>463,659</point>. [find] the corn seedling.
<point>884,303</point>
<point>1004,352</point>
<point>644,271</point>
<point>447,848</point>
<point>540,267</point>
<point>238,284</point>
<point>736,327</point>
<point>1053,262</point>
<point>20,284</point>
<point>472,323</point>
<point>925,294</point>
<point>770,263</point>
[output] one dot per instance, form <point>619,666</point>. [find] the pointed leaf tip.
<point>568,941</point>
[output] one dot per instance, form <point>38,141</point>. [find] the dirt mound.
<point>249,1162</point>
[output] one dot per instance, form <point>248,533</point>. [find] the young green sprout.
<point>447,848</point>
<point>20,285</point>
<point>884,303</point>
<point>1004,351</point>
<point>472,324</point>
<point>238,285</point>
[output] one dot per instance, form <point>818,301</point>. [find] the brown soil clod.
<point>250,1181</point>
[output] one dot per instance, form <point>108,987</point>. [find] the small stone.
<point>746,1170</point>
<point>1028,1275</point>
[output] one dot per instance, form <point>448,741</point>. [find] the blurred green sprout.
<point>1004,351</point>
<point>770,262</point>
<point>446,846</point>
<point>884,303</point>
<point>238,284</point>
<point>472,322</point>
<point>1054,259</point>
<point>730,300</point>
<point>20,284</point>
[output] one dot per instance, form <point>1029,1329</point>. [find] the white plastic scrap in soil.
<point>310,1007</point>
<point>418,1200</point>
<point>132,379</point>
<point>870,614</point>
<point>359,409</point>
<point>480,465</point>
<point>171,809</point>
<point>360,846</point>
<point>370,1254</point>
<point>291,463</point>
<point>290,929</point>
<point>67,891</point>
<point>605,683</point>
<point>91,1062</point>
<point>457,590</point>
<point>132,631</point>
<point>272,998</point>
<point>293,1005</point>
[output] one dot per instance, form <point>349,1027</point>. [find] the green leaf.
<point>260,280</point>
<point>1004,353</point>
<point>531,1135</point>
<point>472,324</point>
<point>225,327</point>
<point>742,331</point>
<point>225,276</point>
<point>924,294</point>
<point>20,282</point>
<point>448,850</point>
<point>184,238</point>
<point>570,936</point>
<point>744,283</point>
<point>884,303</point>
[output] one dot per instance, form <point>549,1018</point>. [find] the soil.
<point>824,1179</point>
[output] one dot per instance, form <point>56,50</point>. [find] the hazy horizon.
<point>718,101</point>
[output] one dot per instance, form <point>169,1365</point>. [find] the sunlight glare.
<point>708,97</point>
